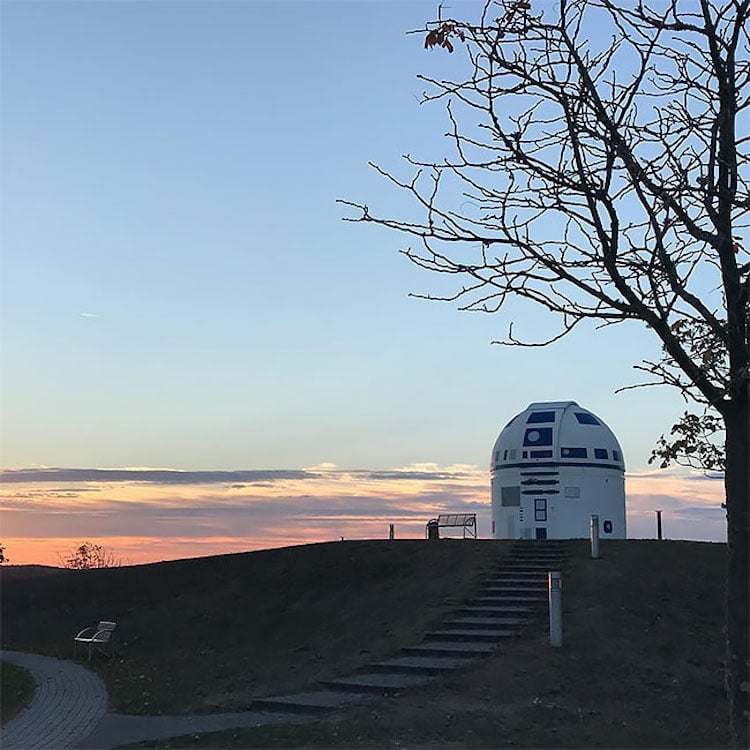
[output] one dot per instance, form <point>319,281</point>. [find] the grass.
<point>641,667</point>
<point>213,633</point>
<point>16,690</point>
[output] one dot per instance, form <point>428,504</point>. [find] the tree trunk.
<point>737,485</point>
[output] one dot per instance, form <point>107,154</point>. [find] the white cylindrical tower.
<point>553,466</point>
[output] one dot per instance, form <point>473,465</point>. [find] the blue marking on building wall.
<point>556,464</point>
<point>537,436</point>
<point>540,416</point>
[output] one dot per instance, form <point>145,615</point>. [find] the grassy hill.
<point>642,663</point>
<point>213,633</point>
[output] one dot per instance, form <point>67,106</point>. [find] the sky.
<point>180,292</point>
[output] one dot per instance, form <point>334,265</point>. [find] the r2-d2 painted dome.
<point>553,466</point>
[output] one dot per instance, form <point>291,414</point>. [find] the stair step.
<point>512,590</point>
<point>377,682</point>
<point>485,622</point>
<point>449,648</point>
<point>470,635</point>
<point>509,584</point>
<point>536,553</point>
<point>503,600</point>
<point>420,664</point>
<point>489,611</point>
<point>553,555</point>
<point>533,556</point>
<point>541,571</point>
<point>540,583</point>
<point>311,702</point>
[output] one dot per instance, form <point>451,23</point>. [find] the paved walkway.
<point>69,710</point>
<point>116,729</point>
<point>68,703</point>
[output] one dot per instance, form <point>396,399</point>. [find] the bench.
<point>465,521</point>
<point>101,637</point>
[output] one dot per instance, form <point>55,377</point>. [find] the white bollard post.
<point>554,583</point>
<point>391,532</point>
<point>594,537</point>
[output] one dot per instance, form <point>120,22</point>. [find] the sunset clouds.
<point>147,515</point>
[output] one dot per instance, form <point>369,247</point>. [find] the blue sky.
<point>178,287</point>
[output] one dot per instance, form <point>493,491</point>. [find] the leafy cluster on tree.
<point>599,169</point>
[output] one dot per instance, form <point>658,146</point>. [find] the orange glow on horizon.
<point>142,522</point>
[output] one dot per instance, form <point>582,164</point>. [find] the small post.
<point>554,583</point>
<point>658,524</point>
<point>594,537</point>
<point>391,532</point>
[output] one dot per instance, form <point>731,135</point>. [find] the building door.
<point>540,516</point>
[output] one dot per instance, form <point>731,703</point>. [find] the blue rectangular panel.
<point>573,453</point>
<point>584,418</point>
<point>540,416</point>
<point>537,436</point>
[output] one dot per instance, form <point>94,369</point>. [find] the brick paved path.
<point>68,703</point>
<point>69,710</point>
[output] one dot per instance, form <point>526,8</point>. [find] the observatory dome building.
<point>553,466</point>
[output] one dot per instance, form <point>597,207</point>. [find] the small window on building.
<point>525,454</point>
<point>505,455</point>
<point>512,454</point>
<point>541,454</point>
<point>540,416</point>
<point>540,510</point>
<point>510,496</point>
<point>584,418</point>
<point>601,453</point>
<point>573,452</point>
<point>572,492</point>
<point>616,455</point>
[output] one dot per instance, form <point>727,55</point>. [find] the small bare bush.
<point>88,555</point>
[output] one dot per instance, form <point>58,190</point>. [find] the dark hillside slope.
<point>642,666</point>
<point>16,572</point>
<point>212,633</point>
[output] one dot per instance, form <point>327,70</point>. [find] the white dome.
<point>557,431</point>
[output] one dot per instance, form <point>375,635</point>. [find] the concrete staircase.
<point>495,615</point>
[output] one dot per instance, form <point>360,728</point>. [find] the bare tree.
<point>599,168</point>
<point>88,555</point>
<point>3,557</point>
